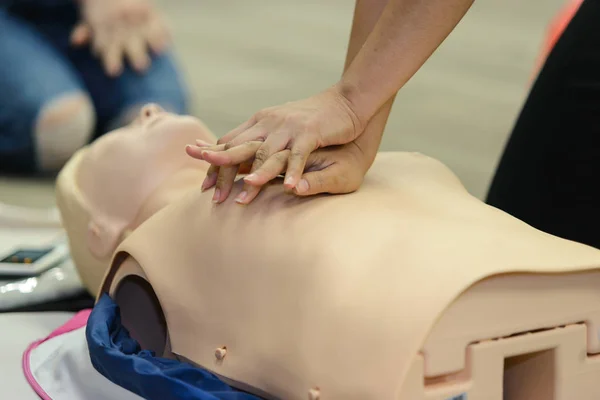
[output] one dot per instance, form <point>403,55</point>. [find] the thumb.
<point>81,35</point>
<point>331,179</point>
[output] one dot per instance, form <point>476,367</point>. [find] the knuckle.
<point>260,135</point>
<point>229,145</point>
<point>281,157</point>
<point>262,153</point>
<point>255,144</point>
<point>297,154</point>
<point>223,178</point>
<point>220,180</point>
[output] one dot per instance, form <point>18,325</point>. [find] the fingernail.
<point>289,181</point>
<point>241,197</point>
<point>190,147</point>
<point>302,186</point>
<point>216,196</point>
<point>250,177</point>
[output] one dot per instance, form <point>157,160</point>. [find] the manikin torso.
<point>333,294</point>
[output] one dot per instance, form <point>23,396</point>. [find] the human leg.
<point>549,172</point>
<point>45,114</point>
<point>116,100</point>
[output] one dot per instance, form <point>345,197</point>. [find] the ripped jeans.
<point>38,65</point>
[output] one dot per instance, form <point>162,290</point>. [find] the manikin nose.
<point>149,111</point>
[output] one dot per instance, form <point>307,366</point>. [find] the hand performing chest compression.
<point>281,141</point>
<point>326,143</point>
<point>334,169</point>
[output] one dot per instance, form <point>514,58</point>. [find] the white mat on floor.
<point>17,331</point>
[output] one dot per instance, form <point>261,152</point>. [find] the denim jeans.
<point>38,64</point>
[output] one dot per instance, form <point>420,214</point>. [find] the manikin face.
<point>129,154</point>
<point>111,180</point>
<point>121,169</point>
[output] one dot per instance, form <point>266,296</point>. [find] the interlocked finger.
<point>211,177</point>
<point>196,151</point>
<point>231,155</point>
<point>255,133</point>
<point>270,169</point>
<point>271,146</point>
<point>301,149</point>
<point>225,180</point>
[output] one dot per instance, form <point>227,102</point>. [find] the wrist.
<point>370,140</point>
<point>369,144</point>
<point>354,100</point>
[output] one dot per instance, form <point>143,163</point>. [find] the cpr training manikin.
<point>408,289</point>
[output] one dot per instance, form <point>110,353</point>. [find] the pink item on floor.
<point>59,366</point>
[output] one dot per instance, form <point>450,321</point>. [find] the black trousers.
<point>549,174</point>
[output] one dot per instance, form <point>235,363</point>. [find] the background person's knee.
<point>64,125</point>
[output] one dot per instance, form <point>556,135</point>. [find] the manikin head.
<point>113,185</point>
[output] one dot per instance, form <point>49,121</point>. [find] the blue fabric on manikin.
<point>120,359</point>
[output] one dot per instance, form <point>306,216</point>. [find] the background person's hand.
<point>334,169</point>
<point>119,30</point>
<point>301,127</point>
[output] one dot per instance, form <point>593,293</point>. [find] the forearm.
<point>405,35</point>
<point>366,15</point>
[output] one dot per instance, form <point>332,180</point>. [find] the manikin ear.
<point>102,237</point>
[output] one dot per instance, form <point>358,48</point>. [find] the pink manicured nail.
<point>194,150</point>
<point>250,178</point>
<point>302,186</point>
<point>241,197</point>
<point>206,153</point>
